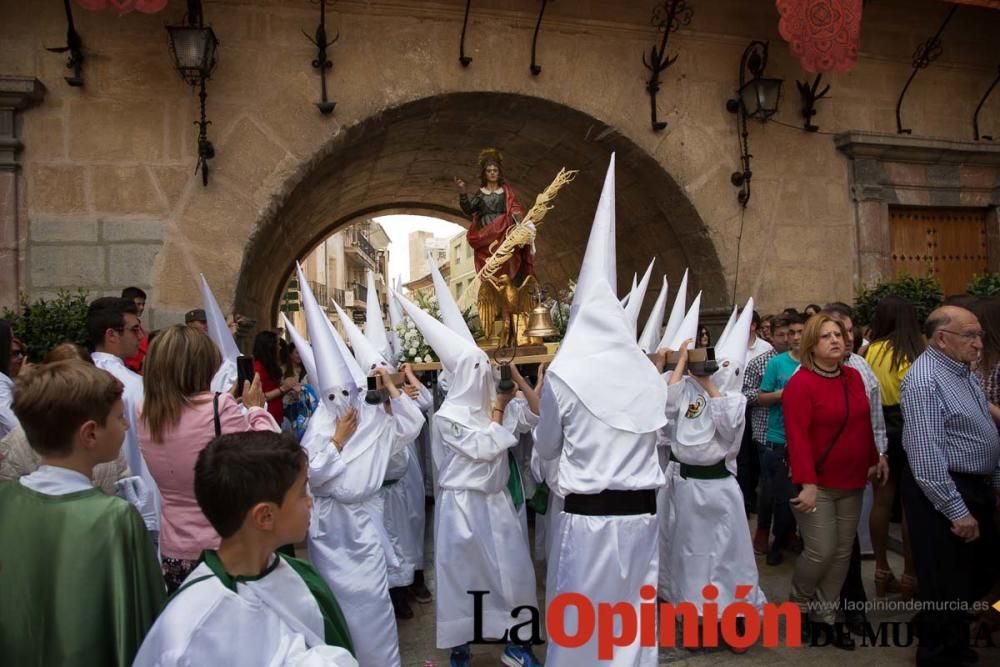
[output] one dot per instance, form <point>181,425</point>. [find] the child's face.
<point>108,437</point>
<point>292,518</point>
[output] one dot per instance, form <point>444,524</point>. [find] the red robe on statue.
<point>521,264</point>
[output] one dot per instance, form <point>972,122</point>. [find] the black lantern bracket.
<point>194,48</point>
<point>74,46</point>
<point>462,58</point>
<point>975,117</point>
<point>536,69</point>
<point>810,95</point>
<point>668,17</point>
<point>758,99</point>
<point>925,54</point>
<point>322,62</point>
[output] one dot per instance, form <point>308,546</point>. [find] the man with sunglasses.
<point>950,484</point>
<point>114,330</point>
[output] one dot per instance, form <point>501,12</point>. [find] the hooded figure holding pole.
<point>706,537</point>
<point>602,403</point>
<point>349,444</point>
<point>478,541</point>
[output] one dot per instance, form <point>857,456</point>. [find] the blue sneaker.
<point>460,656</point>
<point>519,655</point>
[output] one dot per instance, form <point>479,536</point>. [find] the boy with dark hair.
<point>80,581</point>
<point>245,603</point>
<point>115,331</point>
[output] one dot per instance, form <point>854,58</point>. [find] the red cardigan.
<point>814,410</point>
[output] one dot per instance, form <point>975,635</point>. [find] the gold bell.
<point>540,323</point>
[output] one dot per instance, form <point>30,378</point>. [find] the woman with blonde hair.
<point>832,454</point>
<point>177,419</point>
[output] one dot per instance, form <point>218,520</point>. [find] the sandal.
<point>885,583</point>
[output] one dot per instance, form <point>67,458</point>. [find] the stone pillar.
<point>16,93</point>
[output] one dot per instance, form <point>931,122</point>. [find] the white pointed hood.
<point>688,327</point>
<point>471,390</point>
<point>451,314</point>
<point>637,296</point>
<point>336,385</point>
<point>303,347</point>
<point>651,332</point>
<point>676,313</point>
<point>599,359</point>
<point>374,324</point>
<point>367,356</point>
<point>219,332</point>
<point>600,257</point>
<point>625,299</point>
<point>729,327</point>
<point>395,319</point>
<point>732,353</point>
<point>697,427</point>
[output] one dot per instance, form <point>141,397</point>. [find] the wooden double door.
<point>944,243</point>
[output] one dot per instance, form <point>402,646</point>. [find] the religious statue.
<point>502,236</point>
<point>494,209</point>
<point>507,295</point>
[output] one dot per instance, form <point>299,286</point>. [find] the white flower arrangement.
<point>414,348</point>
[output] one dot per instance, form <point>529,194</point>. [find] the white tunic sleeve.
<point>8,421</point>
<point>548,432</point>
<point>479,445</point>
<point>729,415</point>
<point>518,417</point>
<point>425,399</point>
<point>407,421</point>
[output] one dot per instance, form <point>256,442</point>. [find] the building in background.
<point>421,243</point>
<point>336,270</point>
<point>463,268</point>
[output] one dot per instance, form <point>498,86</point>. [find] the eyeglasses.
<point>967,335</point>
<point>17,353</point>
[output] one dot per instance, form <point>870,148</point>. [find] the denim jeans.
<point>776,490</point>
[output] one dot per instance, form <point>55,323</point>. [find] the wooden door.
<point>945,243</point>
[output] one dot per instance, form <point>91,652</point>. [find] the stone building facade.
<point>98,190</point>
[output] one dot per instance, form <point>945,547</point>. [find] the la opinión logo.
<point>739,624</point>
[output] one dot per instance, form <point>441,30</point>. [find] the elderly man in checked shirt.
<point>949,488</point>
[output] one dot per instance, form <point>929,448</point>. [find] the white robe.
<point>271,621</point>
<point>705,536</point>
<point>132,397</point>
<point>347,539</point>
<point>607,559</point>
<point>403,501</point>
<point>479,542</point>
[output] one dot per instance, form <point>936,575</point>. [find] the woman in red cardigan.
<point>831,451</point>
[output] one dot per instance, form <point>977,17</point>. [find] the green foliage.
<point>44,324</point>
<point>987,284</point>
<point>923,293</point>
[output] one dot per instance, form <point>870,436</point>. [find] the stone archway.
<point>404,159</point>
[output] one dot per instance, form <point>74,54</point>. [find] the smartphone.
<point>244,372</point>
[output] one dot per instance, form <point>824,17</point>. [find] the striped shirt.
<point>947,427</point>
<point>874,391</point>
<point>752,378</point>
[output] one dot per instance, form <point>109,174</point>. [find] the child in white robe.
<point>707,538</point>
<point>246,604</point>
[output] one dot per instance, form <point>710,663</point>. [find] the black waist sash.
<point>611,503</point>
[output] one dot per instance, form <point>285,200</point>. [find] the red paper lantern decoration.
<point>823,34</point>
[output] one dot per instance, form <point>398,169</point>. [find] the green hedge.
<point>923,293</point>
<point>987,284</point>
<point>43,324</point>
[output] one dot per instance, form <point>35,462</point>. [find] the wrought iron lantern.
<point>757,98</point>
<point>194,47</point>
